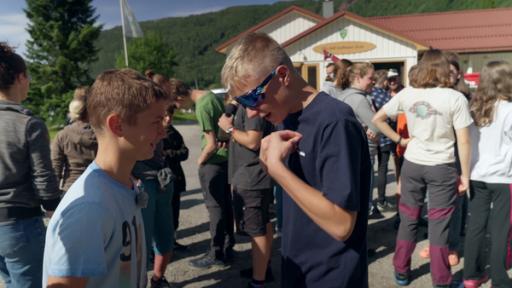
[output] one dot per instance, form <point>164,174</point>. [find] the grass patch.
<point>53,132</point>
<point>181,117</point>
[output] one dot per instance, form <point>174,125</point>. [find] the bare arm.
<point>380,121</point>
<point>65,282</point>
<point>464,147</point>
<point>209,149</point>
<point>250,139</point>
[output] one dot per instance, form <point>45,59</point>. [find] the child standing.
<point>433,112</point>
<point>491,176</point>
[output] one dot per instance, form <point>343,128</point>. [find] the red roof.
<point>463,31</point>
<point>293,8</point>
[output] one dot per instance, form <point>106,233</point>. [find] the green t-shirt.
<point>209,108</point>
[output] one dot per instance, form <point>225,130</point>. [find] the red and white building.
<point>388,42</point>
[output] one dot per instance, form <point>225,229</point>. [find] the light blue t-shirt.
<point>97,232</point>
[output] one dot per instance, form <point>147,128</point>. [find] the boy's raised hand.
<point>277,146</point>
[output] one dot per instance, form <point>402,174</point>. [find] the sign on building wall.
<point>345,47</point>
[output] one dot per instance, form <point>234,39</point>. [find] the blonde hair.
<point>495,83</point>
<point>254,55</point>
<point>76,108</point>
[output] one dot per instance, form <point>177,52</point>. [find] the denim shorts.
<point>21,252</point>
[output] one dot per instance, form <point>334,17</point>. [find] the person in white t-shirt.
<point>491,177</point>
<point>433,112</point>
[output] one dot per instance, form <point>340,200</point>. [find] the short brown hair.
<point>125,92</point>
<point>433,70</point>
<point>178,88</point>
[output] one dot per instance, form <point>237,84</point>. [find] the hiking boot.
<point>206,261</point>
<point>160,283</point>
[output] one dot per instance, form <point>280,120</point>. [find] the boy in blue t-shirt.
<point>96,237</point>
<point>321,161</point>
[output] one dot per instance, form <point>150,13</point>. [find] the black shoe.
<point>179,247</point>
<point>206,261</point>
<point>375,213</point>
<point>247,273</point>
<point>160,283</point>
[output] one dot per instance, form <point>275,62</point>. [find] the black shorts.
<point>252,209</point>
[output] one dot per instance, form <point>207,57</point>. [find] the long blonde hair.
<point>495,84</point>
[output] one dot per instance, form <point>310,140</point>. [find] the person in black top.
<point>175,152</point>
<point>252,188</point>
<point>321,160</point>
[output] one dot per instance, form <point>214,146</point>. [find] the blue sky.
<point>13,21</point>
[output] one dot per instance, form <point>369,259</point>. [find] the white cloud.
<point>12,30</point>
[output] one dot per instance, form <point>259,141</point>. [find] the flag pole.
<point>124,34</point>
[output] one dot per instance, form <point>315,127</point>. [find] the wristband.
<point>229,130</point>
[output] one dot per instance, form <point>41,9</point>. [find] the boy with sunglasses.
<point>321,160</point>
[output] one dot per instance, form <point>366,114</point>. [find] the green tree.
<point>59,51</point>
<point>149,52</point>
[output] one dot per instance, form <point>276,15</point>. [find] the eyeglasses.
<point>253,98</point>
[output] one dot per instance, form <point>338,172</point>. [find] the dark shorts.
<point>252,209</point>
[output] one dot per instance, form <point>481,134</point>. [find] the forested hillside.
<point>194,38</point>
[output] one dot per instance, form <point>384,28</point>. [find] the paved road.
<point>194,232</point>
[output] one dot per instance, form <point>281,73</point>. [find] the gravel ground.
<point>193,232</point>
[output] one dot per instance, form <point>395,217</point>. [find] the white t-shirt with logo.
<point>432,115</point>
<point>491,152</point>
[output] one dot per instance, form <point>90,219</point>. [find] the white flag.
<point>132,28</point>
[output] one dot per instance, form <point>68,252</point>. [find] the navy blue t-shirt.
<point>332,157</point>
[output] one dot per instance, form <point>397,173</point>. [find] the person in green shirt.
<point>213,177</point>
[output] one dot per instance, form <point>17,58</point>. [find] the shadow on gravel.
<point>230,277</point>
<point>189,203</point>
<point>191,192</point>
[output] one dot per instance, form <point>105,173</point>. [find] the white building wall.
<point>288,26</point>
<point>388,48</point>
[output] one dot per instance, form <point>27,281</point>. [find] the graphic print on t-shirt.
<point>424,110</point>
<point>130,230</point>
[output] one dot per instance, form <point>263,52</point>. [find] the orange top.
<point>401,129</point>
